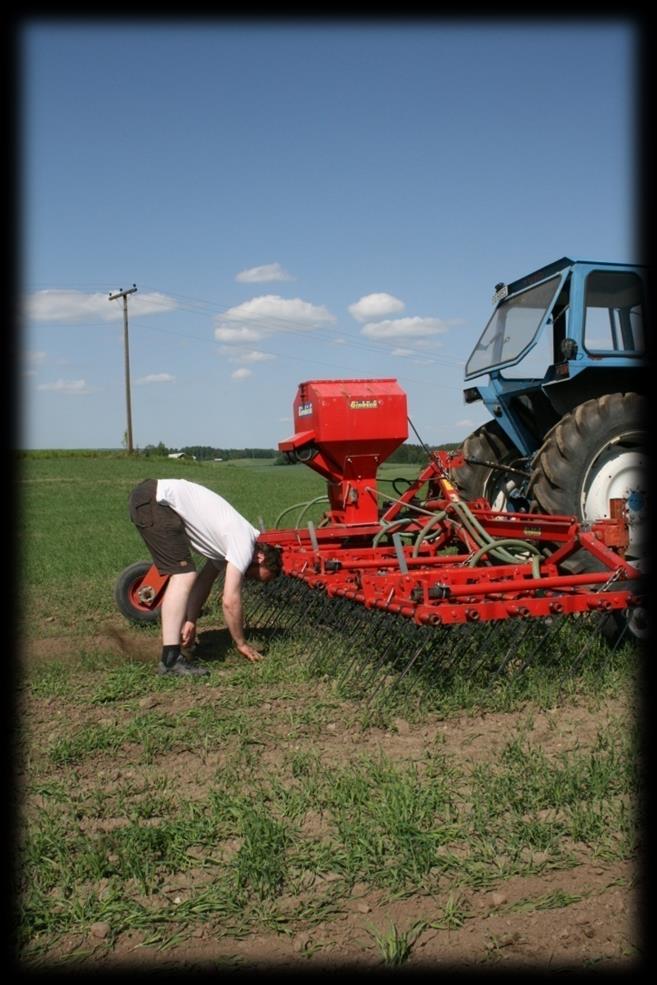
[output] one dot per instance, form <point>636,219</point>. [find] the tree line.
<point>207,453</point>
<point>407,453</point>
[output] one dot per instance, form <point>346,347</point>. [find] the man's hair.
<point>272,561</point>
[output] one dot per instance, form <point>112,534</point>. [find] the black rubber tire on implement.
<point>624,625</point>
<point>488,443</point>
<point>125,594</point>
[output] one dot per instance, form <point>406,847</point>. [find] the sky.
<point>298,200</point>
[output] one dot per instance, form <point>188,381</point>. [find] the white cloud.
<point>247,355</point>
<point>375,306</point>
<point>242,374</point>
<point>402,352</point>
<point>224,334</point>
<point>268,314</point>
<point>255,356</point>
<point>260,275</point>
<point>75,387</point>
<point>157,378</point>
<point>407,328</point>
<point>74,306</point>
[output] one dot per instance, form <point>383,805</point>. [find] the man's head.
<point>266,563</point>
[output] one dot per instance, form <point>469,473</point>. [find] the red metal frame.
<point>428,584</point>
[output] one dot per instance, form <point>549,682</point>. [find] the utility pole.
<point>124,294</point>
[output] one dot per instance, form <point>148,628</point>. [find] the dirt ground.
<point>600,931</point>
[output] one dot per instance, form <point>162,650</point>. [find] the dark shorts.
<point>161,529</point>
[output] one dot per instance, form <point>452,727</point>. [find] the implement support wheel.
<point>134,596</point>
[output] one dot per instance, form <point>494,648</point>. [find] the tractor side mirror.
<point>568,348</point>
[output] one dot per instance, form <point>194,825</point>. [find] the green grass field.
<point>263,816</point>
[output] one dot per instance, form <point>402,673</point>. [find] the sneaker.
<point>183,668</point>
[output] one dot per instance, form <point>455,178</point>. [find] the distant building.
<point>177,454</point>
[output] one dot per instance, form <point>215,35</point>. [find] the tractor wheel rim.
<point>619,471</point>
<point>500,487</point>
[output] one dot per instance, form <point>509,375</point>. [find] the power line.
<point>283,327</point>
<point>272,324</point>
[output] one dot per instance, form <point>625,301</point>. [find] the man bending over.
<point>174,517</point>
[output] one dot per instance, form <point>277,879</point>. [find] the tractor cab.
<point>569,332</point>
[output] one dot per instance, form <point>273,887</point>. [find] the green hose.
<point>490,544</point>
<point>390,528</point>
<point>425,530</point>
<point>536,559</point>
<point>487,544</point>
<point>306,505</point>
<point>311,502</point>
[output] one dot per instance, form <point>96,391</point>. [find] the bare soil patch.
<point>518,923</point>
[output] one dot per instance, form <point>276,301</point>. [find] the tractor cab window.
<point>614,312</point>
<point>512,328</point>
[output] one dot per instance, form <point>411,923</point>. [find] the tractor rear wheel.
<point>594,454</point>
<point>480,477</point>
<point>130,594</point>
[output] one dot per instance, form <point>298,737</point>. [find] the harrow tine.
<point>622,636</point>
<point>330,623</point>
<point>424,647</point>
<point>553,628</point>
<point>405,640</point>
<point>299,604</point>
<point>256,601</point>
<point>265,597</point>
<point>284,604</point>
<point>371,629</point>
<point>394,642</point>
<point>594,636</point>
<point>563,626</point>
<point>330,617</point>
<point>478,637</point>
<point>518,635</point>
<point>265,614</point>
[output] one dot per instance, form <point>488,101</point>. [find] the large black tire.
<point>490,444</point>
<point>595,453</point>
<point>126,594</point>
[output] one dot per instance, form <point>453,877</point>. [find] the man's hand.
<point>249,652</point>
<point>188,633</point>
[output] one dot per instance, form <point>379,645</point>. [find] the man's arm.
<point>232,607</point>
<point>197,598</point>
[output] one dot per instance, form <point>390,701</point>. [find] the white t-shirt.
<point>215,528</point>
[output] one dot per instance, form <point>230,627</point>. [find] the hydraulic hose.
<point>496,544</point>
<point>303,505</point>
<point>436,518</point>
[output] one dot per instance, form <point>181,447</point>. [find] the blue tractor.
<point>565,361</point>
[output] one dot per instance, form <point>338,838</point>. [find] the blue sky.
<point>299,200</point>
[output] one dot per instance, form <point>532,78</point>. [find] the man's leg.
<point>163,532</point>
<point>174,607</point>
<point>172,614</point>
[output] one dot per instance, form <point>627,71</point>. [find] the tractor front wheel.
<point>134,596</point>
